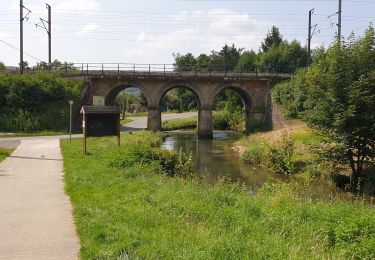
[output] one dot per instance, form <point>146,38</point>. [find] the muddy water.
<point>215,159</point>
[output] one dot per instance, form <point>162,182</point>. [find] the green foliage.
<point>280,157</point>
<point>184,62</point>
<point>285,58</point>
<point>175,124</point>
<point>337,95</point>
<point>292,95</point>
<point>131,211</point>
<point>38,102</point>
<point>220,120</point>
<point>165,162</point>
<point>253,155</point>
<point>2,66</point>
<point>273,39</point>
<point>56,65</point>
<point>179,99</point>
<point>247,62</point>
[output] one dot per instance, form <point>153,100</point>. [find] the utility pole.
<point>339,20</point>
<point>310,35</point>
<point>21,36</point>
<point>48,29</point>
<point>339,13</point>
<point>22,18</point>
<point>49,34</point>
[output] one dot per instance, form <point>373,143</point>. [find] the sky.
<point>150,31</point>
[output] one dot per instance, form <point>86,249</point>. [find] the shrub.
<point>253,155</point>
<point>36,102</point>
<point>219,121</point>
<point>166,162</point>
<point>280,157</point>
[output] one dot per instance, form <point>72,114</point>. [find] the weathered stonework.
<point>255,94</point>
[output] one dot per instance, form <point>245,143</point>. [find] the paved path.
<point>35,214</point>
<point>141,122</point>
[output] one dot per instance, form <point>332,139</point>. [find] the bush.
<point>253,155</point>
<point>166,162</point>
<point>36,102</point>
<point>280,157</point>
<point>219,120</point>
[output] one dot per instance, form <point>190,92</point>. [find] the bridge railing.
<point>172,69</point>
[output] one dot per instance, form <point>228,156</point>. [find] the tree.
<point>230,56</point>
<point>284,58</point>
<point>339,99</point>
<point>2,66</point>
<point>247,62</point>
<point>56,65</point>
<point>203,62</point>
<point>274,38</point>
<point>185,62</point>
<point>25,65</point>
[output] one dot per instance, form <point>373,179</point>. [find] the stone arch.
<point>112,94</point>
<point>194,89</point>
<point>246,97</point>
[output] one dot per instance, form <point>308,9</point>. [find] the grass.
<point>4,153</point>
<point>125,121</point>
<point>123,208</point>
<point>176,124</point>
<point>39,133</point>
<point>303,136</point>
<point>138,114</point>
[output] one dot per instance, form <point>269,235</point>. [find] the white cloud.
<point>200,32</point>
<point>87,29</point>
<point>77,5</point>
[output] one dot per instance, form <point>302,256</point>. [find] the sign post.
<point>100,121</point>
<point>71,102</point>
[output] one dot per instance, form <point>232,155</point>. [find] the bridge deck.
<point>145,75</point>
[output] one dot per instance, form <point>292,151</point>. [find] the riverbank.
<point>298,151</point>
<point>127,204</point>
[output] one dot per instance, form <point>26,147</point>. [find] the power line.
<point>17,49</point>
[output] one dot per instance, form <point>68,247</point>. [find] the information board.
<point>101,125</point>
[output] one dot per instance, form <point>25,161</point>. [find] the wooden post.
<point>118,131</point>
<point>84,124</point>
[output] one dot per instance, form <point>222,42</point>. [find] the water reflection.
<point>214,159</point>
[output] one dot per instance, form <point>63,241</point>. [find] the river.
<point>215,159</point>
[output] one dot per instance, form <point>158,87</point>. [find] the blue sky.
<point>151,31</point>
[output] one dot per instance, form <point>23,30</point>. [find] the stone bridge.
<point>252,88</point>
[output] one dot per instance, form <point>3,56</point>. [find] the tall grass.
<point>136,209</point>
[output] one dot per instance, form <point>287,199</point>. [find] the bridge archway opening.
<point>179,99</point>
<point>130,99</point>
<point>232,107</point>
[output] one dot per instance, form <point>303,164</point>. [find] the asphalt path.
<point>36,215</point>
<point>138,123</point>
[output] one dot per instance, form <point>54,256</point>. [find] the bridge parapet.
<point>167,71</point>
